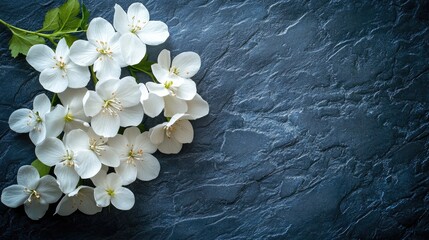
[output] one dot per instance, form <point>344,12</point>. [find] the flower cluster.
<point>92,140</point>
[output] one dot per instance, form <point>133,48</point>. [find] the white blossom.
<point>114,103</point>
<point>171,135</point>
<point>33,121</point>
<point>57,71</point>
<point>34,192</point>
<point>135,153</point>
<point>82,199</point>
<point>175,85</point>
<point>108,189</point>
<point>72,159</point>
<point>137,31</point>
<point>102,49</point>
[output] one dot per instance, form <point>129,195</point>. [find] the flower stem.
<point>54,100</point>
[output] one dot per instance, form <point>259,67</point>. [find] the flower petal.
<point>156,88</point>
<point>156,134</point>
<point>123,199</point>
<point>66,206</point>
<point>22,120</point>
<point>174,105</point>
<point>101,197</point>
<point>14,196</point>
<point>92,103</point>
<point>100,29</point>
<point>113,181</point>
<point>107,68</point>
<point>132,48</point>
<point>83,53</point>
<point>62,51</point>
<point>49,190</point>
<point>67,177</point>
<point>137,12</point>
<point>105,124</point>
<point>78,76</point>
<point>164,59</point>
<point>87,164</point>
<point>28,176</point>
<point>197,107</point>
<point>35,210</point>
<point>41,57</point>
<point>120,20</point>
<point>143,142</point>
<point>87,204</point>
<point>170,146</point>
<point>187,90</point>
<point>128,92</point>
<point>187,63</point>
<point>54,80</point>
<point>99,179</point>
<point>154,33</point>
<point>105,88</point>
<point>148,169</point>
<point>38,134</point>
<point>119,144</point>
<point>160,73</point>
<point>41,104</point>
<point>127,172</point>
<point>77,140</point>
<point>183,131</point>
<point>109,157</point>
<point>55,121</point>
<point>131,134</point>
<point>153,105</point>
<point>50,151</point>
<point>131,116</point>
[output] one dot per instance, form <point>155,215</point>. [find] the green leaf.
<point>85,18</point>
<point>144,65</point>
<point>41,168</point>
<point>68,12</point>
<point>51,20</point>
<point>21,42</point>
<point>70,39</point>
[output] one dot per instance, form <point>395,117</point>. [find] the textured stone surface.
<point>318,126</point>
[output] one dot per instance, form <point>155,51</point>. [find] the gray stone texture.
<point>318,127</point>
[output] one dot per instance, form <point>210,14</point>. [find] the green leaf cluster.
<point>60,22</point>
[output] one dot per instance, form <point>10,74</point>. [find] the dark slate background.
<point>318,125</point>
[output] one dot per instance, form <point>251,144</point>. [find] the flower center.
<point>110,192</point>
<point>112,106</point>
<point>104,49</point>
<point>96,147</point>
<point>168,84</point>
<point>33,194</point>
<point>174,70</point>
<point>134,155</point>
<point>136,26</point>
<point>169,130</point>
<point>68,159</point>
<point>69,117</point>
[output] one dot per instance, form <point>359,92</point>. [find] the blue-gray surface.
<point>318,126</point>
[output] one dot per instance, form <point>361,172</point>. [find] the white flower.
<point>102,49</point>
<point>137,30</point>
<point>33,121</point>
<point>108,189</point>
<point>114,103</point>
<point>34,192</point>
<point>152,103</point>
<point>171,135</point>
<point>81,198</point>
<point>175,85</point>
<point>134,149</point>
<point>72,159</point>
<point>71,115</point>
<point>57,71</point>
